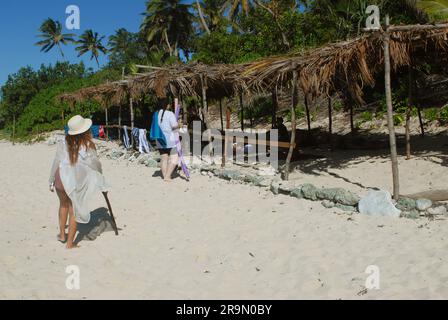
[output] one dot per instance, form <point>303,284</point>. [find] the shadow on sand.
<point>100,222</point>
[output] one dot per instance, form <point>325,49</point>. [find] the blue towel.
<point>156,133</point>
<point>95,131</point>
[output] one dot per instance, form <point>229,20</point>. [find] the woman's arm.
<point>94,163</point>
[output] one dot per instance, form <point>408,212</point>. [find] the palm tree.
<point>235,7</point>
<point>210,13</point>
<point>121,41</point>
<point>91,42</point>
<point>51,32</point>
<point>168,21</point>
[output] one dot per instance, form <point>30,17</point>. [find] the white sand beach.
<point>211,239</point>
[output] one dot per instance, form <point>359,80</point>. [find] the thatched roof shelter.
<point>350,65</point>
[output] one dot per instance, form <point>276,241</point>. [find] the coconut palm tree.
<point>121,41</point>
<point>51,32</point>
<point>168,22</point>
<point>210,13</point>
<point>91,42</point>
<point>236,7</point>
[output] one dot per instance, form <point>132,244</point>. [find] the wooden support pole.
<point>293,123</point>
<point>119,123</point>
<point>420,119</point>
<point>352,115</point>
<point>408,114</point>
<point>107,122</point>
<point>390,112</point>
<point>204,107</point>
<point>242,111</point>
<point>221,115</point>
<point>131,106</point>
<point>224,154</point>
<point>307,109</point>
<point>330,122</point>
<point>274,108</point>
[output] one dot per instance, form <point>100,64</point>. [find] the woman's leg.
<point>64,204</point>
<point>72,228</point>
<point>173,162</point>
<point>164,165</point>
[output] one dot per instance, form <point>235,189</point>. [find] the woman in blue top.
<point>168,124</point>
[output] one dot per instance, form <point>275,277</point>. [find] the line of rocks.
<point>375,203</point>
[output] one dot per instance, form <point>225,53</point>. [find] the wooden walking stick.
<point>114,224</point>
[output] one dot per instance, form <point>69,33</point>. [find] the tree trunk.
<point>165,35</point>
<point>274,16</point>
<point>390,113</point>
<point>119,123</point>
<point>201,16</point>
<point>293,125</point>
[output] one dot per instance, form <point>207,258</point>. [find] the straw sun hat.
<point>78,125</point>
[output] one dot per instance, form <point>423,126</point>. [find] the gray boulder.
<point>338,195</point>
<point>230,174</point>
<point>309,192</point>
<point>345,207</point>
<point>378,203</point>
<point>151,163</point>
<point>423,204</point>
<point>406,204</point>
<point>297,193</point>
<point>437,211</point>
<point>413,214</point>
<point>328,204</point>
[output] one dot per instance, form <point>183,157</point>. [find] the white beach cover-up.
<point>80,181</point>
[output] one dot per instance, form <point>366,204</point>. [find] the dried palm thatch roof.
<point>220,80</point>
<point>348,65</point>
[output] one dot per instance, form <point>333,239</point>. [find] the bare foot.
<point>168,180</point>
<point>73,246</point>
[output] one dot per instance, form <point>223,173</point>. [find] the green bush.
<point>431,114</point>
<point>366,116</point>
<point>444,114</point>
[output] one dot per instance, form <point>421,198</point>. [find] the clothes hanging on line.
<point>143,145</point>
<point>102,133</point>
<point>126,140</point>
<point>95,131</point>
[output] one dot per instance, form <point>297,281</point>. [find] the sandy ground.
<point>210,239</point>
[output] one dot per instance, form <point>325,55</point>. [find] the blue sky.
<point>21,19</point>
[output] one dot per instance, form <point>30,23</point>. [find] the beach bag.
<point>156,133</point>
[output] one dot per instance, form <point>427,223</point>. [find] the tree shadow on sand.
<point>100,222</point>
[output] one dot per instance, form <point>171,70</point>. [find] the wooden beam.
<point>390,112</point>
<point>293,123</point>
